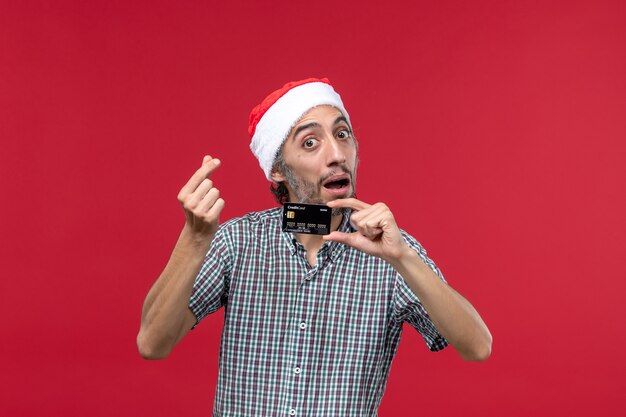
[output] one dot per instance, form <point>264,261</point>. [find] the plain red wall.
<point>493,129</point>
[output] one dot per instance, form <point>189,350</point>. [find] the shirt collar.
<point>335,248</point>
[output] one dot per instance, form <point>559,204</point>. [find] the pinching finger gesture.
<point>376,230</point>
<point>201,201</point>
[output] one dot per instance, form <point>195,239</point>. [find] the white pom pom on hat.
<point>272,120</point>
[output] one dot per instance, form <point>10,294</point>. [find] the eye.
<point>309,142</point>
<point>343,134</point>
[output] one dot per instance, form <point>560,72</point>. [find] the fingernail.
<point>217,162</point>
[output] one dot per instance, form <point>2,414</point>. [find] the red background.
<point>493,129</point>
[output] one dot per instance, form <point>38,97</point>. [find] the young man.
<point>311,322</point>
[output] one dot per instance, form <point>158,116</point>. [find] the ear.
<point>277,176</point>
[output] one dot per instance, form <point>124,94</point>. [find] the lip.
<point>337,177</point>
<point>338,191</point>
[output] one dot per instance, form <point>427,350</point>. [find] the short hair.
<point>279,190</point>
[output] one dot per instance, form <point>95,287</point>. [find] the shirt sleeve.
<point>408,308</point>
<point>210,289</point>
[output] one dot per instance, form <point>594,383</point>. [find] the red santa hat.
<point>272,120</point>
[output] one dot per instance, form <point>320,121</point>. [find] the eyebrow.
<point>341,119</point>
<point>315,124</point>
<point>304,127</point>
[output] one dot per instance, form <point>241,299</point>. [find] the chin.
<point>347,194</point>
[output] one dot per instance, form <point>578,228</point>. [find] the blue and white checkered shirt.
<point>301,340</point>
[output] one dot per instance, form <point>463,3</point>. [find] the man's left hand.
<point>376,233</point>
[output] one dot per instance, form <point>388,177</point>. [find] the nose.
<point>335,153</point>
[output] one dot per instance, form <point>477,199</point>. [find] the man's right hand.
<point>202,203</point>
<point>166,317</point>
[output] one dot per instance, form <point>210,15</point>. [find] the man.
<point>311,322</point>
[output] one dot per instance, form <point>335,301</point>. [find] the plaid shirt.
<point>301,340</point>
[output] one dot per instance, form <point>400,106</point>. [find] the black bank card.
<point>313,219</point>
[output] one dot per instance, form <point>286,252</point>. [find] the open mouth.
<point>337,182</point>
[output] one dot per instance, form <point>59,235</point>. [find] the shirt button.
<point>292,412</point>
<point>302,326</point>
<point>297,370</point>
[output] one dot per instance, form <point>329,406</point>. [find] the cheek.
<point>308,167</point>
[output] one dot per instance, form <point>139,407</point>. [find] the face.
<point>320,156</point>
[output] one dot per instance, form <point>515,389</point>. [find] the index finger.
<point>352,203</point>
<point>208,166</point>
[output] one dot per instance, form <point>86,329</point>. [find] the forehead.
<point>320,114</point>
